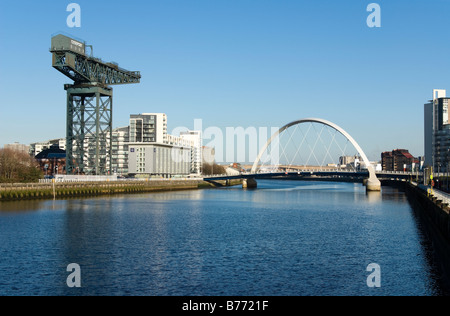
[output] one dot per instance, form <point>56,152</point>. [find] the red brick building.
<point>397,160</point>
<point>52,161</point>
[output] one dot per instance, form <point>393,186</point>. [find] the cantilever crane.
<point>89,104</point>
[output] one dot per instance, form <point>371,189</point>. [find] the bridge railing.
<point>317,170</point>
<point>93,179</point>
<point>217,176</point>
<point>308,171</point>
<point>440,195</point>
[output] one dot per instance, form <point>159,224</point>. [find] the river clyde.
<point>286,238</point>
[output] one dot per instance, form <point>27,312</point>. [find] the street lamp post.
<point>448,164</point>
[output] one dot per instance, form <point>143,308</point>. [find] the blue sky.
<point>236,63</point>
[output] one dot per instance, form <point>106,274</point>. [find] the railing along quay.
<point>443,196</point>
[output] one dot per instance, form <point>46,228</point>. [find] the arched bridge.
<point>258,172</point>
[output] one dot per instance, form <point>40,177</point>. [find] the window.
<point>445,113</point>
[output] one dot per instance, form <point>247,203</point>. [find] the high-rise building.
<point>195,139</point>
<point>148,128</point>
<point>437,131</point>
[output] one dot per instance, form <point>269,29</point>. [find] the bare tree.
<point>17,166</point>
<point>209,169</point>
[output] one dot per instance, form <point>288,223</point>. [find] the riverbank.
<point>32,191</point>
<point>434,217</point>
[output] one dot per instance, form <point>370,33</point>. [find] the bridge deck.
<point>311,174</point>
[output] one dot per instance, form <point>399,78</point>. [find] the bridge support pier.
<point>249,183</point>
<point>372,184</point>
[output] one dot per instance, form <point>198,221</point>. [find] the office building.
<point>349,160</point>
<point>437,131</point>
<point>158,160</point>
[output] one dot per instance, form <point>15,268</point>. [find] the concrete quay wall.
<point>434,217</point>
<point>14,192</point>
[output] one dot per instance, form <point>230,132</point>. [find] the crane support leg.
<point>89,129</point>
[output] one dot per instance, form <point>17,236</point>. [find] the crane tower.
<point>89,104</point>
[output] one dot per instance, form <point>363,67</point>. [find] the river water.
<point>286,238</point>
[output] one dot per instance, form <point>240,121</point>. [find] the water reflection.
<point>284,238</point>
<point>374,197</point>
<point>20,206</point>
<point>304,192</point>
<point>87,232</point>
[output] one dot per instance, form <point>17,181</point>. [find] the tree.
<point>18,166</point>
<point>209,169</point>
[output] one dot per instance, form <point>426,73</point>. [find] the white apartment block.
<point>119,160</point>
<point>148,128</point>
<point>153,152</point>
<point>195,138</point>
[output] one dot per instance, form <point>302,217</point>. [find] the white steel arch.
<point>373,182</point>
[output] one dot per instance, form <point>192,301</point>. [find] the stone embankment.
<point>58,190</point>
<point>433,212</point>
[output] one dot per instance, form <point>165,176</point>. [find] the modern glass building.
<point>437,131</point>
